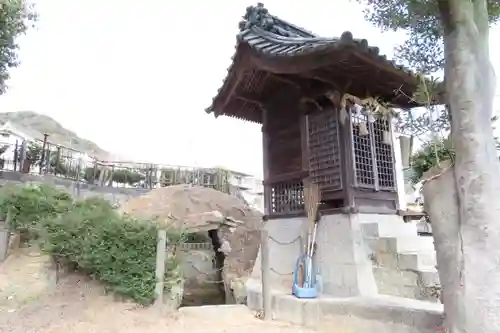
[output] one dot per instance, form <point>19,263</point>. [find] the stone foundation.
<point>353,314</point>
<point>374,270</point>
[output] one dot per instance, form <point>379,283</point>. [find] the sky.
<point>136,76</point>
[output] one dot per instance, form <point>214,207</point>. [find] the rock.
<point>195,208</point>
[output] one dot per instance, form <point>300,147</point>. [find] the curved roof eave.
<point>267,44</point>
<point>271,38</point>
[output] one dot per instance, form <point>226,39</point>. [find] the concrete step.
<point>375,218</point>
<point>408,244</point>
<point>429,277</point>
<point>389,229</point>
<point>417,261</point>
<point>409,284</point>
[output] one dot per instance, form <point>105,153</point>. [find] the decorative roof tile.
<point>272,37</point>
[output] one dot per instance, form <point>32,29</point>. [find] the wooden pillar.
<point>304,141</point>
<point>265,162</point>
<point>373,150</point>
<point>348,159</point>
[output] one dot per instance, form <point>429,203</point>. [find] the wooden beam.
<point>253,98</point>
<point>266,160</point>
<point>302,84</point>
<point>305,100</point>
<point>321,77</point>
<point>237,70</point>
<point>287,79</point>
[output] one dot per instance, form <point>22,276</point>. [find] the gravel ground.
<point>30,302</point>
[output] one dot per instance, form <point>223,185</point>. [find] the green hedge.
<point>118,250</point>
<point>28,204</point>
<point>122,176</point>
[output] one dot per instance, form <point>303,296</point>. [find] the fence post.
<point>58,160</point>
<point>103,171</point>
<point>22,158</point>
<point>112,172</point>
<point>16,155</point>
<point>47,159</point>
<point>5,237</point>
<point>78,170</point>
<point>158,177</point>
<point>265,267</point>
<point>44,146</point>
<point>161,257</point>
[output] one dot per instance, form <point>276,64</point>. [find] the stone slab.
<point>409,244</point>
<point>417,261</point>
<point>355,314</point>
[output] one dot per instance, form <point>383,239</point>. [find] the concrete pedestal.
<point>341,257</point>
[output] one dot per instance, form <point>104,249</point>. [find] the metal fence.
<point>46,158</point>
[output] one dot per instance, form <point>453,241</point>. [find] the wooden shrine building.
<point>325,105</point>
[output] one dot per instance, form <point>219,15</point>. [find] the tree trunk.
<point>441,204</point>
<point>474,240</point>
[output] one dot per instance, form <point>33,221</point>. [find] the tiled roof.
<point>272,37</point>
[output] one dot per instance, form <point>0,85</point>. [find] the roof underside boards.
<point>271,51</point>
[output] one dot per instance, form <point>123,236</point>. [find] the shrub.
<point>121,176</point>
<point>125,176</point>
<point>428,156</point>
<point>65,168</point>
<point>119,251</point>
<point>90,235</point>
<point>30,203</point>
<point>34,152</point>
<point>89,176</point>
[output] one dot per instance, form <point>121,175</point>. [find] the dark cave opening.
<point>219,257</point>
<point>210,292</point>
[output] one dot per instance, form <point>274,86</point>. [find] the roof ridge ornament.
<point>257,16</point>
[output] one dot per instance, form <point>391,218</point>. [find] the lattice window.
<point>363,158</point>
<point>324,150</point>
<point>384,153</point>
<point>373,153</point>
<point>287,197</point>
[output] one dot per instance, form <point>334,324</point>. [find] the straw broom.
<point>312,200</point>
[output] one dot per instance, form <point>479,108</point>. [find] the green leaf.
<point>423,49</point>
<point>16,16</point>
<point>90,235</point>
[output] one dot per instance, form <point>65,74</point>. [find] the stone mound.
<point>173,204</point>
<point>176,202</point>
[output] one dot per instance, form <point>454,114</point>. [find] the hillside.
<point>36,124</point>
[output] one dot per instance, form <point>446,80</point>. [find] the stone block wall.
<point>356,255</point>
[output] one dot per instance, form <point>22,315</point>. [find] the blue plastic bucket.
<point>310,291</point>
